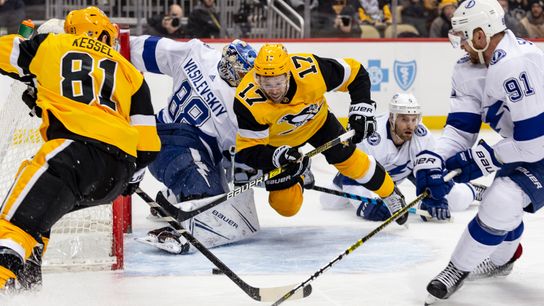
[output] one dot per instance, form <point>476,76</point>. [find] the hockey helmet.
<point>272,60</point>
<point>487,15</point>
<point>403,104</point>
<point>92,22</point>
<point>237,59</point>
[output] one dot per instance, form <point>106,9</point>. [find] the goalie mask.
<point>404,115</point>
<point>237,59</point>
<point>92,22</point>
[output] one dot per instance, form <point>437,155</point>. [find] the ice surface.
<point>393,268</point>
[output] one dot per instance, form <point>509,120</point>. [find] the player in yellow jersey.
<point>280,106</point>
<point>97,124</point>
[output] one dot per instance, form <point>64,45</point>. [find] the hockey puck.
<point>216,271</point>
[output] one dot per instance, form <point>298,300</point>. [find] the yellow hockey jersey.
<point>84,87</point>
<point>265,125</point>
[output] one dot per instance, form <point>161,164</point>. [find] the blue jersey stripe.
<point>466,122</point>
<point>148,55</point>
<point>529,128</point>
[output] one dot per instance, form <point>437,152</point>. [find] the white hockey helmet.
<point>52,25</point>
<point>487,15</point>
<point>404,103</point>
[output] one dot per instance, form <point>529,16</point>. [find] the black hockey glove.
<point>291,175</point>
<point>285,155</point>
<point>362,120</point>
<point>134,182</point>
<point>29,97</point>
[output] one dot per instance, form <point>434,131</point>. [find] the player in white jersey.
<point>510,98</point>
<point>197,128</point>
<point>399,137</point>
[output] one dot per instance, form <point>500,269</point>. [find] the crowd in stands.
<point>328,18</point>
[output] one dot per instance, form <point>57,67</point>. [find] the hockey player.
<point>197,129</point>
<point>280,106</point>
<point>500,82</point>
<point>98,129</point>
<point>399,136</point>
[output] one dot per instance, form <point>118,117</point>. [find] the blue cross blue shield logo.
<point>405,73</point>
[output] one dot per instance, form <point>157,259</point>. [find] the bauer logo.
<point>405,73</point>
<point>378,75</point>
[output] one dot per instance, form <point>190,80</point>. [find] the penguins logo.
<point>307,114</point>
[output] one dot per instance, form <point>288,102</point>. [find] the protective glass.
<point>457,38</point>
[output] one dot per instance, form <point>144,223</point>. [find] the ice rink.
<point>393,268</point>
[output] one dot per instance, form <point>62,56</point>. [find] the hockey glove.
<point>362,120</point>
<point>474,162</point>
<point>134,182</point>
<point>428,170</point>
<point>285,155</point>
<point>29,97</point>
<point>291,175</point>
<point>373,210</point>
<point>438,209</point>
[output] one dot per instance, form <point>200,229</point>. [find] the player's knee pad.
<point>460,197</point>
<point>365,170</point>
<point>502,205</point>
<point>286,202</point>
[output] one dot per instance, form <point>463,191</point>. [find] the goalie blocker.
<point>231,221</point>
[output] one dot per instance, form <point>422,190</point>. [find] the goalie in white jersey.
<point>499,82</point>
<point>399,137</point>
<point>197,129</point>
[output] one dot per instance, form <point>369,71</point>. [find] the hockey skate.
<point>445,283</point>
<point>479,190</point>
<point>165,195</point>
<point>394,203</point>
<point>30,277</point>
<point>487,269</point>
<point>166,239</point>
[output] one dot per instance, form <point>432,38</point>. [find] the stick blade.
<point>275,293</point>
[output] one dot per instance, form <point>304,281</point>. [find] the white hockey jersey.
<point>397,161</point>
<point>512,102</point>
<point>200,97</point>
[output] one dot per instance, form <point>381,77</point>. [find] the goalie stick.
<point>181,215</point>
<point>359,242</point>
<point>258,294</point>
<point>352,196</point>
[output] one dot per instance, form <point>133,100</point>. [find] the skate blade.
<point>174,248</point>
<point>431,299</point>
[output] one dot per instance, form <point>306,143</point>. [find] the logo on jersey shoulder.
<point>463,59</point>
<point>421,130</point>
<point>307,114</point>
<point>374,139</point>
<point>405,73</point>
<point>497,56</point>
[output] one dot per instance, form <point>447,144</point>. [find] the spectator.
<point>534,21</point>
<point>442,24</point>
<point>414,13</point>
<point>511,21</point>
<point>12,12</point>
<point>336,18</point>
<point>204,21</point>
<point>519,8</point>
<point>169,25</point>
<point>375,12</point>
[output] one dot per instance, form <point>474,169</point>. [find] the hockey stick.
<point>357,244</point>
<point>352,196</point>
<point>258,294</point>
<point>181,215</point>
